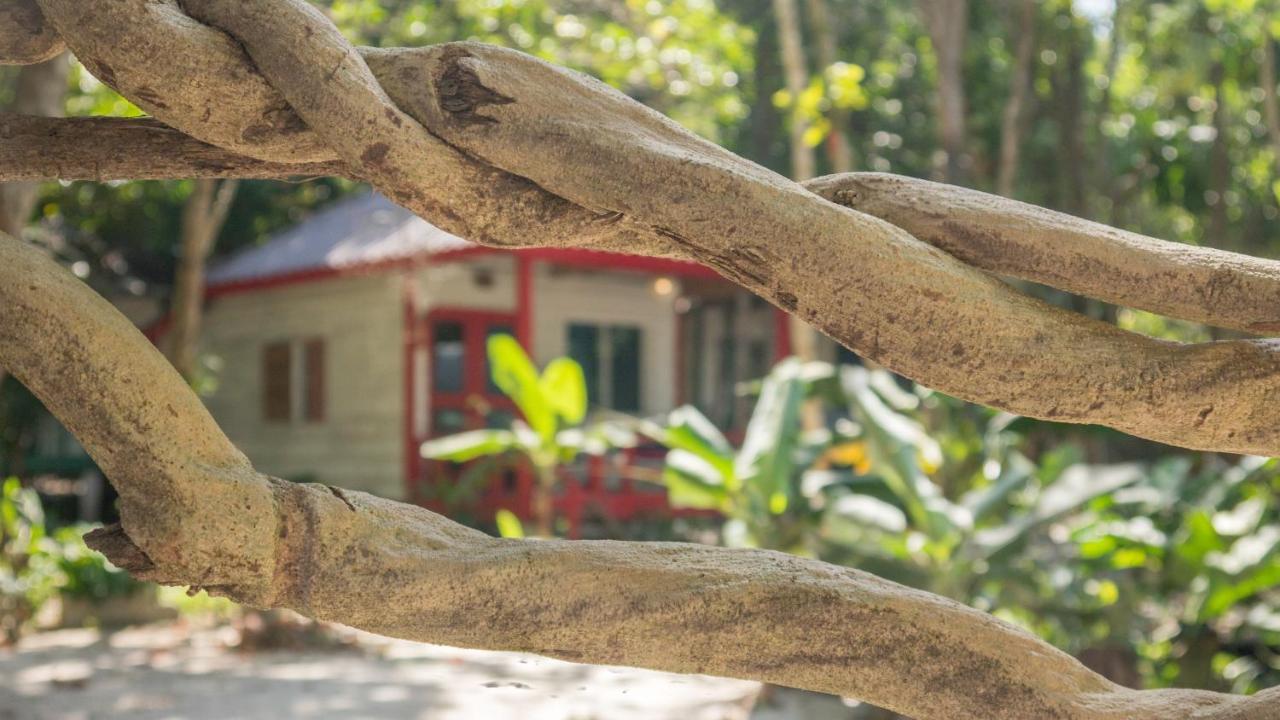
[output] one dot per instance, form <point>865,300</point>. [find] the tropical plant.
<point>551,432</point>
<point>1083,554</point>
<point>756,486</point>
<point>25,579</point>
<point>1194,554</point>
<point>37,564</point>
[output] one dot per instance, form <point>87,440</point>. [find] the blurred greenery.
<point>38,563</point>
<point>1167,572</point>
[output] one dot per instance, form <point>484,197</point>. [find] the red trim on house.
<point>574,257</point>
<point>781,335</point>
<point>577,257</point>
<point>412,458</point>
<point>327,273</point>
<point>524,301</point>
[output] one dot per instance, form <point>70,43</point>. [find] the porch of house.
<point>654,334</point>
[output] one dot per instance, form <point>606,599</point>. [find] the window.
<point>277,391</point>
<point>448,348</point>
<point>610,356</point>
<point>293,380</point>
<point>313,374</point>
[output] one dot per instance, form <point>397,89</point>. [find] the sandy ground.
<point>173,671</point>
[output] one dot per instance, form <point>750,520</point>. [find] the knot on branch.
<point>114,542</point>
<point>462,93</point>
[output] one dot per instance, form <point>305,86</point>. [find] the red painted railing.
<point>619,487</point>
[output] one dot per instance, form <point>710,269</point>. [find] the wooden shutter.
<point>314,370</point>
<point>277,392</point>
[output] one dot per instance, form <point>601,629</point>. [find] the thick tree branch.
<point>99,148</point>
<point>25,37</point>
<point>506,150</point>
<point>1008,237</point>
<point>196,513</point>
<point>993,234</point>
<point>511,151</point>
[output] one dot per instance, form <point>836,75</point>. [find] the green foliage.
<point>36,565</point>
<point>1086,555</point>
<point>553,404</point>
<point>553,407</point>
<point>509,526</point>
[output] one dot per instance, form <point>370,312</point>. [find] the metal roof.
<point>360,230</point>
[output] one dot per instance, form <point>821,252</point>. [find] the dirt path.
<point>171,671</point>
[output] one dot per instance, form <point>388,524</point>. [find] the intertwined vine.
<point>509,151</point>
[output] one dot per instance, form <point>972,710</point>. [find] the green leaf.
<point>1015,471</point>
<point>509,526</point>
<point>692,482</point>
<point>565,388</point>
<point>689,430</point>
<point>469,445</point>
<point>1075,487</point>
<point>898,445</point>
<point>766,462</point>
<point>865,511</point>
<point>515,374</point>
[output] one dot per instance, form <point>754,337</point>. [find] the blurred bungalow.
<point>343,343</point>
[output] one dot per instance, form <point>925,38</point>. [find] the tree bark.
<point>1010,238</point>
<point>106,148</point>
<point>26,38</point>
<point>203,216</point>
<point>40,90</point>
<point>1012,117</point>
<point>947,22</point>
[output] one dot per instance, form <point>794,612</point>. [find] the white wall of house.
<point>563,296</point>
<point>359,443</point>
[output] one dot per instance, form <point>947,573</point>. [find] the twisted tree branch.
<point>194,512</point>
<point>101,148</point>
<point>25,37</point>
<point>1008,237</point>
<point>510,151</point>
<point>506,150</point>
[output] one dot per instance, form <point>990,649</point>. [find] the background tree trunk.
<point>1219,162</point>
<point>1117,194</point>
<point>1270,104</point>
<point>40,89</point>
<point>796,71</point>
<point>947,22</point>
<point>1012,119</point>
<point>839,149</point>
<point>203,216</point>
<point>804,339</point>
<point>1069,93</point>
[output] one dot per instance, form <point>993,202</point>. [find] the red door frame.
<point>472,400</point>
